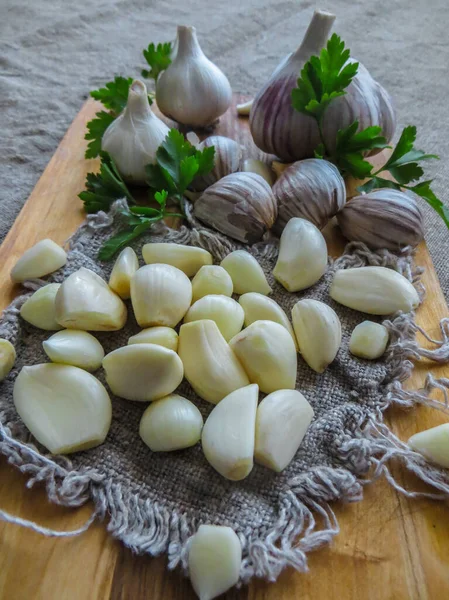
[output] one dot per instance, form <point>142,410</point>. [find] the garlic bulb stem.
<point>316,35</point>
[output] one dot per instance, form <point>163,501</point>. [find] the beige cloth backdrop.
<point>52,52</point>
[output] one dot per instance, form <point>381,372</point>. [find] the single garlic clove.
<point>76,348</point>
<point>302,259</point>
<point>211,279</point>
<point>210,365</point>
<point>161,336</point>
<point>122,272</point>
<point>171,423</point>
<point>7,358</point>
<point>433,444</point>
<point>143,372</point>
<point>85,301</point>
<point>268,355</point>
<point>368,340</point>
<point>245,107</point>
<point>318,332</point>
<point>188,259</point>
<point>39,309</point>
<point>226,312</point>
<point>65,408</point>
<point>160,295</point>
<point>252,165</point>
<point>215,556</point>
<point>229,433</point>
<point>43,258</point>
<point>227,158</point>
<point>282,420</point>
<point>374,290</point>
<point>246,273</point>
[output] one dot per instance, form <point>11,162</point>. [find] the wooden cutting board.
<point>389,547</point>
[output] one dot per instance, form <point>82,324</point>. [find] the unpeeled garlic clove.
<point>85,301</point>
<point>268,355</point>
<point>302,259</point>
<point>65,408</point>
<point>143,372</point>
<point>43,258</point>
<point>374,290</point>
<point>189,259</point>
<point>282,420</point>
<point>318,332</point>
<point>39,309</point>
<point>433,444</point>
<point>161,336</point>
<point>224,311</point>
<point>171,423</point>
<point>252,165</point>
<point>160,295</point>
<point>76,348</point>
<point>246,273</point>
<point>368,340</point>
<point>245,107</point>
<point>122,272</point>
<point>210,365</point>
<point>227,157</point>
<point>7,358</point>
<point>215,556</point>
<point>211,279</point>
<point>229,433</point>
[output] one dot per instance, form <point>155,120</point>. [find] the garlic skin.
<point>302,259</point>
<point>160,295</point>
<point>189,259</point>
<point>171,423</point>
<point>76,348</point>
<point>433,444</point>
<point>39,309</point>
<point>210,365</point>
<point>7,358</point>
<point>229,434</point>
<point>318,332</point>
<point>240,205</point>
<point>85,301</point>
<point>211,279</point>
<point>124,268</point>
<point>65,408</point>
<point>282,420</point>
<point>224,311</point>
<point>374,290</point>
<point>312,189</point>
<point>384,218</point>
<point>143,372</point>
<point>227,158</point>
<point>245,107</point>
<point>192,90</point>
<point>268,355</point>
<point>215,556</point>
<point>251,165</point>
<point>368,340</point>
<point>161,336</point>
<point>43,258</point>
<point>246,273</point>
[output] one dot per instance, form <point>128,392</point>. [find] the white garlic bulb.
<point>192,90</point>
<point>43,258</point>
<point>124,268</point>
<point>39,309</point>
<point>211,279</point>
<point>246,273</point>
<point>227,157</point>
<point>133,138</point>
<point>76,348</point>
<point>224,311</point>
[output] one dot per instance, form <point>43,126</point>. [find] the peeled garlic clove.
<point>246,273</point>
<point>318,332</point>
<point>240,205</point>
<point>39,309</point>
<point>43,258</point>
<point>189,259</point>
<point>161,336</point>
<point>229,432</point>
<point>302,259</point>
<point>160,295</point>
<point>211,279</point>
<point>76,348</point>
<point>227,157</point>
<point>85,301</point>
<point>433,444</point>
<point>258,307</point>
<point>143,372</point>
<point>252,165</point>
<point>374,290</point>
<point>268,355</point>
<point>210,365</point>
<point>245,107</point>
<point>226,312</point>
<point>124,268</point>
<point>65,408</point>
<point>215,556</point>
<point>368,340</point>
<point>282,420</point>
<point>7,358</point>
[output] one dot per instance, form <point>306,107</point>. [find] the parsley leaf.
<point>351,147</point>
<point>95,130</point>
<point>423,190</point>
<point>123,238</point>
<point>158,57</point>
<point>114,94</point>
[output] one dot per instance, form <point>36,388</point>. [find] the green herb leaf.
<point>423,190</point>
<point>121,240</point>
<point>206,160</point>
<point>376,183</point>
<point>114,94</point>
<point>161,199</point>
<point>146,211</point>
<point>95,130</point>
<point>158,57</point>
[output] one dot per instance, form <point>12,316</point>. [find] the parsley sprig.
<point>158,58</point>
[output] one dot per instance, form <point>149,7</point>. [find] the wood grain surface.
<point>389,547</point>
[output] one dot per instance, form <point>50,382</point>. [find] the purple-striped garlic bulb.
<point>312,189</point>
<point>385,218</point>
<point>227,158</point>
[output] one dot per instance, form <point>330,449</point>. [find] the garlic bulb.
<point>124,268</point>
<point>211,279</point>
<point>133,138</point>
<point>162,336</point>
<point>7,358</point>
<point>43,258</point>
<point>433,444</point>
<point>368,340</point>
<point>76,348</point>
<point>227,157</point>
<point>312,189</point>
<point>224,311</point>
<point>240,205</point>
<point>251,165</point>
<point>192,90</point>
<point>189,259</point>
<point>246,273</point>
<point>39,309</point>
<point>384,218</point>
